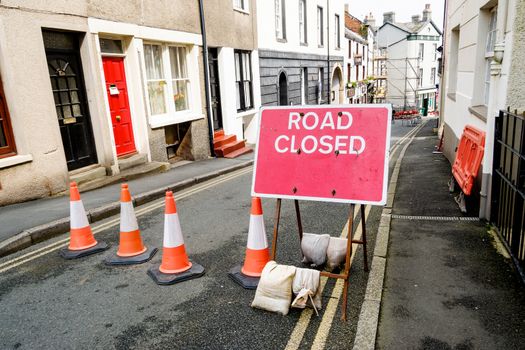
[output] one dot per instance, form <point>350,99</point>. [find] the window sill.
<point>15,160</point>
<point>452,96</point>
<point>159,121</point>
<point>241,114</point>
<point>241,10</point>
<point>304,44</point>
<point>320,46</point>
<point>479,111</point>
<point>279,40</point>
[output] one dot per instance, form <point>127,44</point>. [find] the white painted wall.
<point>266,27</point>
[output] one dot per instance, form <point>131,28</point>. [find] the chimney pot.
<point>389,17</point>
<point>427,13</point>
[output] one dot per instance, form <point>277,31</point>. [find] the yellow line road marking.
<point>304,320</point>
<point>103,226</point>
<point>331,308</point>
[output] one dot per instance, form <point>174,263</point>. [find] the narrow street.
<point>48,302</point>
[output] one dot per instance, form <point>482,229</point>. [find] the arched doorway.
<point>283,90</point>
<point>337,91</point>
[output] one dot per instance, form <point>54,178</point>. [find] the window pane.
<point>174,63</point>
<point>76,110</point>
<point>182,62</point>
<point>246,73</point>
<point>247,95</point>
<point>156,97</point>
<point>3,141</point>
<point>238,88</point>
<point>237,67</point>
<point>153,61</point>
<point>180,95</point>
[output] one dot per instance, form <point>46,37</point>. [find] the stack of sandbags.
<point>320,249</point>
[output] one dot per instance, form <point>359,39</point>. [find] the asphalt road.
<point>52,303</point>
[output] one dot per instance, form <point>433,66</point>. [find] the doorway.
<point>215,91</point>
<point>283,90</point>
<point>69,92</point>
<point>117,91</point>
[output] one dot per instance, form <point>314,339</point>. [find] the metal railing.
<point>508,184</point>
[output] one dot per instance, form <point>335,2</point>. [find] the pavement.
<point>448,284</point>
<point>25,224</point>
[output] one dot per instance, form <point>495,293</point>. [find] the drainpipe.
<point>329,90</point>
<point>206,78</point>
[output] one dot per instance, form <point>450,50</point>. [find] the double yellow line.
<point>321,336</point>
<point>12,263</point>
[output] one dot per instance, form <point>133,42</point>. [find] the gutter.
<point>206,78</point>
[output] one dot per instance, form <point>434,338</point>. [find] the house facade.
<point>483,50</point>
<point>411,60</point>
<point>301,51</point>
<point>359,60</point>
<point>233,66</point>
<point>105,81</point>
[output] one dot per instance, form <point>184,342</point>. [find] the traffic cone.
<point>131,250</point>
<point>81,242</point>
<point>175,266</point>
<point>257,252</point>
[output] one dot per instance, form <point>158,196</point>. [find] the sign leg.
<point>299,223</point>
<point>363,222</point>
<point>347,263</point>
<point>276,227</point>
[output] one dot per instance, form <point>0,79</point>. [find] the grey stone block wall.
<point>516,87</point>
<point>157,145</point>
<point>272,63</point>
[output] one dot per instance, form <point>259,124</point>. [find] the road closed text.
<point>325,144</point>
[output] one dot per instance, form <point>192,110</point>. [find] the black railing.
<point>508,184</point>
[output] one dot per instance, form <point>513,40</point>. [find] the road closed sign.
<point>325,153</point>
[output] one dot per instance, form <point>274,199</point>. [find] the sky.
<point>404,9</point>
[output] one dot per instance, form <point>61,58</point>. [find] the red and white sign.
<point>325,153</point>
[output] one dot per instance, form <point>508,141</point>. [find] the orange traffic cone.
<point>175,266</point>
<point>81,242</point>
<point>131,249</point>
<point>257,252</point>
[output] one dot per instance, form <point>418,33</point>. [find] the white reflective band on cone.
<point>128,220</point>
<point>172,231</point>
<point>78,215</point>
<point>256,233</point>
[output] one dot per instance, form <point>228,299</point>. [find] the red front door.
<point>118,104</point>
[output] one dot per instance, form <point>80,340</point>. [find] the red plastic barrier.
<point>468,157</point>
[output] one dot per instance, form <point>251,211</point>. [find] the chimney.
<point>416,19</point>
<point>389,17</point>
<point>347,8</point>
<point>370,20</point>
<point>427,13</point>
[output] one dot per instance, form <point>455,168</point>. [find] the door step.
<point>131,161</point>
<point>228,146</point>
<point>126,175</point>
<point>87,174</point>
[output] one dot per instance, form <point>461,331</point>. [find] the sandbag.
<point>274,292</point>
<point>306,288</point>
<point>336,253</point>
<point>314,248</point>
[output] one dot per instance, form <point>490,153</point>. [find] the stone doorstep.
<point>87,174</point>
<point>131,161</point>
<point>126,175</point>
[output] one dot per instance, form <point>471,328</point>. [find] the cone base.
<point>247,282</point>
<point>131,260</point>
<point>161,278</point>
<point>69,254</point>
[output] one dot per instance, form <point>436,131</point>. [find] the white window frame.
<point>320,29</point>
<point>303,35</point>
<point>241,5</point>
<point>337,31</point>
<point>172,116</point>
<point>280,20</point>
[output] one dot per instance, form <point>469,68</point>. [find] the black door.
<point>283,90</point>
<point>65,72</point>
<point>215,91</point>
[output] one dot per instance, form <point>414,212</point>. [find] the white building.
<point>483,58</point>
<point>411,56</point>
<point>301,51</point>
<point>359,60</point>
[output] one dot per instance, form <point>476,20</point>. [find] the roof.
<point>411,27</point>
<point>349,34</point>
